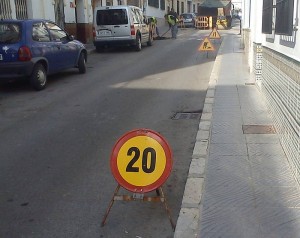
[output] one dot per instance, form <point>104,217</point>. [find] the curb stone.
<point>188,223</point>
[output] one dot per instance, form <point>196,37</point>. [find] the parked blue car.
<point>33,49</point>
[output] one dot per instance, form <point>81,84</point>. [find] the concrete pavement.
<point>239,184</point>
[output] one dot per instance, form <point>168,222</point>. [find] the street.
<point>55,176</point>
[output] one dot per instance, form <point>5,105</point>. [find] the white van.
<point>121,25</point>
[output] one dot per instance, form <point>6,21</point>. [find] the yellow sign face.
<point>141,161</point>
<point>206,45</point>
<point>214,34</point>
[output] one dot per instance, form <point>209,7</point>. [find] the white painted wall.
<point>155,12</point>
<point>41,9</point>
<point>256,21</point>
<point>13,9</point>
<point>70,15</point>
<point>246,11</point>
<point>84,11</point>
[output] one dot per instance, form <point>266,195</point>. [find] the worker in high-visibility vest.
<point>153,24</point>
<point>172,19</point>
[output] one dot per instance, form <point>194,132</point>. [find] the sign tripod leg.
<point>166,207</point>
<point>160,197</point>
<point>110,205</point>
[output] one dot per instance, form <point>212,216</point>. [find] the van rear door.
<point>112,23</point>
<point>103,24</point>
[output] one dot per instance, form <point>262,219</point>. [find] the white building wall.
<point>70,15</point>
<point>278,76</point>
<point>13,9</point>
<point>84,11</point>
<point>155,12</point>
<point>256,21</point>
<point>41,9</point>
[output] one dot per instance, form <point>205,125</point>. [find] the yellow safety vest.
<point>153,20</point>
<point>172,20</point>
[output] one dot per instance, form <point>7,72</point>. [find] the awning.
<point>214,3</point>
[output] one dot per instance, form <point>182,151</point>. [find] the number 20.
<point>134,150</point>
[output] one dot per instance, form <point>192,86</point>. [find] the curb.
<point>188,223</point>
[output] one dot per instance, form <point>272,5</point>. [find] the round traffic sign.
<point>141,160</point>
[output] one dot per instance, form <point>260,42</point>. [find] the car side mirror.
<point>71,37</point>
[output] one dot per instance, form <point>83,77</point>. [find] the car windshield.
<point>187,16</point>
<point>9,33</point>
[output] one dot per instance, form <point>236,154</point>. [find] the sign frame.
<point>214,34</point>
<point>206,42</point>
<point>115,156</point>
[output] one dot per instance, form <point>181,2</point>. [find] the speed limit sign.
<point>141,161</point>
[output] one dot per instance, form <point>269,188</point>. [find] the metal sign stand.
<point>139,197</point>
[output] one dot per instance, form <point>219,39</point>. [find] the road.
<point>55,177</point>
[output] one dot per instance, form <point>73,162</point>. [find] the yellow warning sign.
<point>214,34</point>
<point>206,45</point>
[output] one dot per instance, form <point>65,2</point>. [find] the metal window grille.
<point>21,9</point>
<point>5,9</point>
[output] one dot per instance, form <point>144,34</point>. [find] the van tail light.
<point>24,53</point>
<point>94,32</point>
<point>132,30</point>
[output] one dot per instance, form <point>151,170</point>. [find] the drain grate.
<point>186,115</point>
<point>259,129</point>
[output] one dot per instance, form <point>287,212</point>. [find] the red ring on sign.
<point>114,157</point>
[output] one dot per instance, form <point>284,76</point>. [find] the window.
<point>138,16</point>
<point>39,32</point>
<point>9,33</point>
<point>284,17</point>
<point>153,3</point>
<point>267,16</point>
<point>135,16</point>
<point>112,17</point>
<point>162,4</point>
<point>56,33</point>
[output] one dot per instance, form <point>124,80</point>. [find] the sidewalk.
<point>240,184</point>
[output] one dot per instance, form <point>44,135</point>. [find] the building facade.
<point>271,39</point>
<point>76,16</point>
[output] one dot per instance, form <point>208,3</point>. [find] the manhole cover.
<point>259,129</point>
<point>186,115</point>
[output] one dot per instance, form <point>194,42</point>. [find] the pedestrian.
<point>153,24</point>
<point>172,19</point>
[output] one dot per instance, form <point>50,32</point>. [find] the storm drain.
<point>186,115</point>
<point>259,129</point>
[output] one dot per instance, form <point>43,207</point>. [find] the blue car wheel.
<point>81,63</point>
<point>38,78</point>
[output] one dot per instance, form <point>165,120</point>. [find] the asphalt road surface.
<point>56,144</point>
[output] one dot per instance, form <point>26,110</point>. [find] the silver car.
<point>188,19</point>
<point>121,25</point>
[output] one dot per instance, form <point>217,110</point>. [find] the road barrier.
<point>202,22</point>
